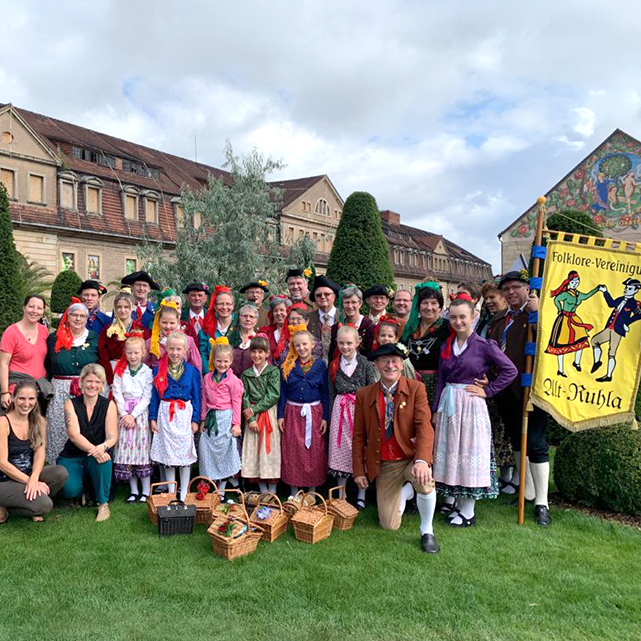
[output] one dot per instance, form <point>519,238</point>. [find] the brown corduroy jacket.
<point>412,426</point>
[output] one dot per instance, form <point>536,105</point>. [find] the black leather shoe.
<point>576,367</point>
<point>542,515</point>
<point>604,379</point>
<point>429,544</point>
<point>595,367</point>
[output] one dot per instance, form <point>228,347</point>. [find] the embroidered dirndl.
<point>131,455</point>
<point>261,450</point>
<point>173,444</point>
<point>303,465</point>
<point>463,458</point>
<point>218,450</point>
<point>429,378</point>
<point>340,435</point>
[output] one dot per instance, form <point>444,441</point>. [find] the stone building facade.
<point>85,200</point>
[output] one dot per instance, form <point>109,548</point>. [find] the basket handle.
<point>341,492</point>
<point>235,491</point>
<point>320,497</point>
<point>204,478</point>
<point>270,496</point>
<point>245,520</point>
<point>176,502</point>
<point>174,483</point>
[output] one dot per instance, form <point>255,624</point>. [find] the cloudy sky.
<point>456,114</point>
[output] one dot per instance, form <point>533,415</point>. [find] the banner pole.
<point>529,361</point>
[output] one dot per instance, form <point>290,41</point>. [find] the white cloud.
<point>456,115</point>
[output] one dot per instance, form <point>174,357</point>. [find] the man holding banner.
<point>509,330</point>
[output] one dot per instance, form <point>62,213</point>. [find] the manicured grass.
<point>73,579</point>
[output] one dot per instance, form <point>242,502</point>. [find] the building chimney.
<point>391,217</point>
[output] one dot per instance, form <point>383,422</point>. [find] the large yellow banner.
<point>586,368</point>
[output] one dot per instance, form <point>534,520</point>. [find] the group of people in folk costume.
<point>292,388</point>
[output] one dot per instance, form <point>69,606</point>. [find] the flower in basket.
<point>202,489</point>
<point>263,512</point>
<point>227,528</point>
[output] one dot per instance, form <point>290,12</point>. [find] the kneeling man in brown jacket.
<point>393,442</point>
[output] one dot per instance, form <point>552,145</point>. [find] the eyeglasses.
<point>323,295</point>
<point>78,316</point>
<point>513,288</point>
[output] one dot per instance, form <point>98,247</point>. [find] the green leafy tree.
<point>360,254</point>
<point>301,256</point>
<point>64,287</point>
<point>237,239</point>
<point>10,284</point>
<point>34,278</point>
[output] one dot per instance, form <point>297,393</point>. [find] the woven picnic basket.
<point>252,499</point>
<point>344,513</point>
<point>269,514</point>
<point>205,506</point>
<point>312,523</point>
<point>236,508</point>
<point>294,503</point>
<point>244,539</point>
<point>156,500</point>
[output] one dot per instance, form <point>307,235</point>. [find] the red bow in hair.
<point>447,348</point>
<point>160,380</point>
<point>121,365</point>
<point>209,322</point>
<point>564,285</point>
<point>64,337</point>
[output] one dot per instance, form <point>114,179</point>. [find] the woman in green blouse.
<point>569,333</point>
<point>69,349</point>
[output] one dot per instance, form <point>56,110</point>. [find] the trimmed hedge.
<point>65,286</point>
<point>601,468</point>
<point>10,281</point>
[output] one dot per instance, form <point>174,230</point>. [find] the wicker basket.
<point>273,524</point>
<point>252,499</point>
<point>228,509</point>
<point>204,507</point>
<point>176,518</point>
<point>313,523</point>
<point>293,504</point>
<point>344,513</point>
<point>156,500</point>
<point>231,548</point>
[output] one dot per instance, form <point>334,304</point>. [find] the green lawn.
<point>72,579</point>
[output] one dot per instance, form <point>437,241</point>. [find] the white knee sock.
<point>361,495</point>
<point>170,475</point>
<point>185,473</point>
<point>133,485</point>
<point>272,487</point>
<point>233,481</point>
<point>506,473</point>
<point>146,485</point>
<point>342,482</point>
<point>449,500</point>
<point>262,487</point>
<point>426,504</point>
<point>312,488</point>
<point>466,509</point>
<point>293,490</point>
<point>407,492</point>
<point>541,478</point>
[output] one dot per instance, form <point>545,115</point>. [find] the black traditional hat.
<point>196,287</point>
<point>521,276</point>
<point>262,284</point>
<point>294,272</point>
<point>390,349</point>
<point>140,276</point>
<point>323,281</point>
<point>92,284</point>
<point>633,282</point>
<point>375,290</point>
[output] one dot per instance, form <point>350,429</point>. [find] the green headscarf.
<point>414,319</point>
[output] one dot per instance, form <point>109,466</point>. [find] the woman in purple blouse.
<point>464,467</point>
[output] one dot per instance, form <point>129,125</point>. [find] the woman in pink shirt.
<point>23,349</point>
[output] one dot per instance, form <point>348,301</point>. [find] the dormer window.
<point>93,194</point>
<point>150,205</point>
<point>130,202</point>
<point>68,190</point>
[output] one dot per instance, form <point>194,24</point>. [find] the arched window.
<point>321,207</point>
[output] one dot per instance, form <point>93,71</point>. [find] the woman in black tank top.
<point>92,426</point>
<point>26,485</point>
